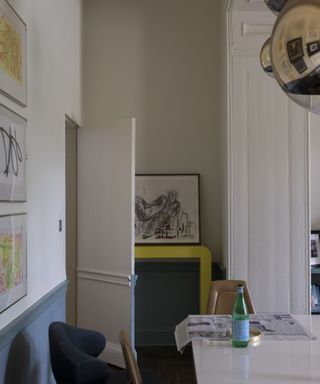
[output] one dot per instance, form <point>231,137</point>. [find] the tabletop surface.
<point>276,362</point>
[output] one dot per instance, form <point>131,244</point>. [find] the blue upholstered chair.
<point>74,357</point>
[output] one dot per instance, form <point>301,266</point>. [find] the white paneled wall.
<point>268,172</point>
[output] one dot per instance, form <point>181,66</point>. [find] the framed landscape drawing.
<point>13,67</point>
<point>12,156</point>
<point>167,209</point>
<point>13,259</point>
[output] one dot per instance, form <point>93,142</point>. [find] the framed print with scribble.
<point>167,209</point>
<point>13,66</point>
<point>12,156</point>
<point>13,259</point>
<point>315,248</point>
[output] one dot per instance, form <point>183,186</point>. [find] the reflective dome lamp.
<point>275,6</point>
<point>292,53</point>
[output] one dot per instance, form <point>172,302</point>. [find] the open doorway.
<point>71,218</point>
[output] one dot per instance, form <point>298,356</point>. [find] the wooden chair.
<point>222,296</point>
<point>135,376</point>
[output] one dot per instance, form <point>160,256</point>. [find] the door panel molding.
<point>103,276</point>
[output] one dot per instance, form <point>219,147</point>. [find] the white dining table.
<point>265,362</point>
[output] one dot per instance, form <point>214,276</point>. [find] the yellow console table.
<point>183,252</point>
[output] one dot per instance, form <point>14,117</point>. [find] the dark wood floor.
<point>171,366</point>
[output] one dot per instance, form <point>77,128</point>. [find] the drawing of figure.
<point>162,218</point>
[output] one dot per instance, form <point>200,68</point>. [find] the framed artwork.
<point>167,209</point>
<point>315,248</point>
<point>13,259</point>
<point>12,156</point>
<point>13,66</point>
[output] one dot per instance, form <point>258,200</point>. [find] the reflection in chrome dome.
<point>265,59</point>
<point>292,53</point>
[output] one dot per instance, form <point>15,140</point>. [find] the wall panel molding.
<point>256,29</point>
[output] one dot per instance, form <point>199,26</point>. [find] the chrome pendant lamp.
<point>292,54</point>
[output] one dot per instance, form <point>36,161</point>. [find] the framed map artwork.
<point>13,259</point>
<point>13,67</point>
<point>12,156</point>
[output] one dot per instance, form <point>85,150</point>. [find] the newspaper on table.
<point>201,327</point>
<point>282,326</point>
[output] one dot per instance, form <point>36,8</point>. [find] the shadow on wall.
<point>19,365</point>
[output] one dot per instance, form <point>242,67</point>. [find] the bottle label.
<point>240,330</point>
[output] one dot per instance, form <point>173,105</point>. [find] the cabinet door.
<point>268,187</point>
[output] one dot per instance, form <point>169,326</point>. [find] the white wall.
<point>54,89</point>
<point>158,61</point>
<point>315,170</point>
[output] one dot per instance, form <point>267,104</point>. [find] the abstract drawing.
<point>167,209</point>
<point>12,156</point>
<point>315,248</point>
<point>13,263</point>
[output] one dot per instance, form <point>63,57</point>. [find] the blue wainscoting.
<point>24,347</point>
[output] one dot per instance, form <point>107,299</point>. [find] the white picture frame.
<point>314,248</point>
<point>12,156</point>
<point>167,209</point>
<point>13,259</point>
<point>13,63</point>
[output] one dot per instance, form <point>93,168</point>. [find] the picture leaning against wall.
<point>167,209</point>
<point>13,67</point>
<point>13,259</point>
<point>12,156</point>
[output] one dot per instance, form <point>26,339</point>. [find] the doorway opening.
<point>71,218</point>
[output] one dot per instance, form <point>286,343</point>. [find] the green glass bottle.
<point>240,321</point>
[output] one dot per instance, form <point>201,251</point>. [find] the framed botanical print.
<point>13,259</point>
<point>13,66</point>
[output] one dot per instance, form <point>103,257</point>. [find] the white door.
<point>268,172</point>
<point>106,231</point>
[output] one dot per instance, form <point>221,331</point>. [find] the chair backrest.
<point>222,296</point>
<point>73,355</point>
<point>133,371</point>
